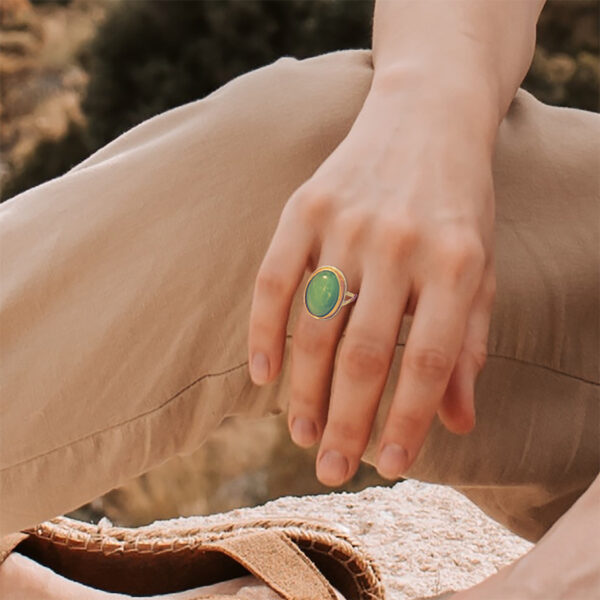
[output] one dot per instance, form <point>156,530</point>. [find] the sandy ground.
<point>425,538</point>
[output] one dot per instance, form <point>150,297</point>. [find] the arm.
<point>472,51</point>
<point>481,53</point>
<point>564,564</point>
<point>445,73</point>
<point>405,206</point>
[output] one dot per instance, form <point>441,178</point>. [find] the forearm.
<point>469,52</point>
<point>564,564</point>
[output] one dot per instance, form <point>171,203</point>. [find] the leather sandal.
<point>299,560</point>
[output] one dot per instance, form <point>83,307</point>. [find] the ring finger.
<point>314,344</point>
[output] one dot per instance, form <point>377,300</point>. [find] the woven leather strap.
<point>268,555</point>
<point>277,561</point>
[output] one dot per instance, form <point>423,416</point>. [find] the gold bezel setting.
<point>343,289</point>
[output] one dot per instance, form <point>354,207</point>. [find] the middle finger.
<point>361,371</point>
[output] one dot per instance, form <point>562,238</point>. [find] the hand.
<point>404,207</point>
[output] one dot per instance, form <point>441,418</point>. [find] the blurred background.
<point>74,74</point>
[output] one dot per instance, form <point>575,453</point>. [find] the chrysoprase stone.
<point>322,293</point>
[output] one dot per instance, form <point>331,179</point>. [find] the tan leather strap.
<point>273,558</point>
<point>218,597</point>
<point>8,543</point>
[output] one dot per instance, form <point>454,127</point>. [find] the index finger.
<point>432,348</point>
<point>277,280</point>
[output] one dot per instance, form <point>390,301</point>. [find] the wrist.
<point>449,99</point>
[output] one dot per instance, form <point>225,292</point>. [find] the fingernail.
<point>304,431</point>
<point>332,468</point>
<point>259,370</point>
<point>392,461</point>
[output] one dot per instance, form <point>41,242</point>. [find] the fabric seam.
<point>244,364</point>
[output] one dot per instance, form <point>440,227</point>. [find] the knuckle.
<point>271,284</point>
<point>315,207</point>
<point>263,330</point>
<point>310,340</point>
<point>431,363</point>
<point>479,355</point>
<point>348,433</point>
<point>351,225</point>
<point>461,255</point>
<point>363,360</point>
<point>304,403</point>
<point>397,238</point>
<point>405,425</point>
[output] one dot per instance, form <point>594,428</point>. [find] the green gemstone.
<point>322,293</point>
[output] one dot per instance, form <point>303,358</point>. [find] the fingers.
<point>457,411</point>
<point>361,372</point>
<point>441,359</point>
<point>314,344</point>
<point>431,351</point>
<point>278,278</point>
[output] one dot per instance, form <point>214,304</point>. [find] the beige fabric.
<point>8,543</point>
<point>252,590</point>
<point>126,290</point>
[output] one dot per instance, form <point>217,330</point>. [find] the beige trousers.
<point>126,287</point>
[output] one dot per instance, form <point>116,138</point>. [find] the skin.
<point>563,565</point>
<point>404,206</point>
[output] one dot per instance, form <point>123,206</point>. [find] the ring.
<point>326,292</point>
